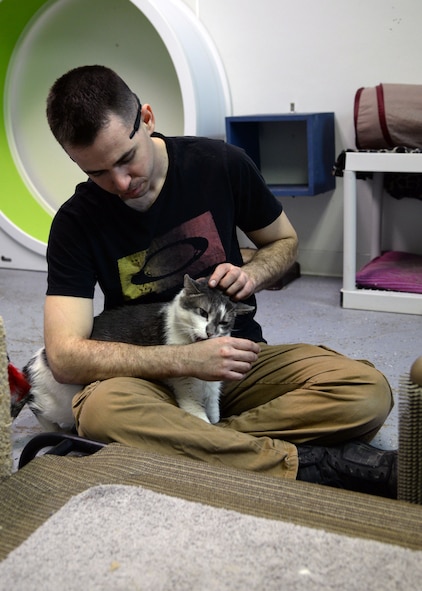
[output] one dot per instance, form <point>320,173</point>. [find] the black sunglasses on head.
<point>137,120</point>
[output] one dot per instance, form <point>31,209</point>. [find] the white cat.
<point>196,313</point>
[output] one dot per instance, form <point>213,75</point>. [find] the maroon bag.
<point>388,115</point>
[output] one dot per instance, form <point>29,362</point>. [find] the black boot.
<point>354,465</point>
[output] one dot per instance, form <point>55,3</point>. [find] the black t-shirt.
<point>211,187</point>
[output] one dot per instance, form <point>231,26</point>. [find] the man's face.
<point>126,167</point>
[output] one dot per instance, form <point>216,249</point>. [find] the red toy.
<point>19,389</point>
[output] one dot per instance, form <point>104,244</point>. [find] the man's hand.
<point>233,281</point>
<point>276,252</point>
<point>221,358</point>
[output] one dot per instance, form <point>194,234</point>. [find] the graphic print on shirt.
<point>190,248</point>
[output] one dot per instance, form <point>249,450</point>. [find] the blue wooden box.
<point>295,152</point>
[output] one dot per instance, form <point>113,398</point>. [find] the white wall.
<point>317,53</point>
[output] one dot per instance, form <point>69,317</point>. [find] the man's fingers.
<point>232,280</point>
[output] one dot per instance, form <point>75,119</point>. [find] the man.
<point>153,209</point>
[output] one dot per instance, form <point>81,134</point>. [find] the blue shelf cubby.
<point>295,152</point>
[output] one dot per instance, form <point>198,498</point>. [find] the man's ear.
<point>148,118</point>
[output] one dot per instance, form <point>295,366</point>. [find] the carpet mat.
<point>31,495</point>
<point>114,537</point>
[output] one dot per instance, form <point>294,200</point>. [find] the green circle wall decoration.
<point>17,202</point>
<point>158,46</point>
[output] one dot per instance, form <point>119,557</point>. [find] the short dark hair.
<point>81,101</point>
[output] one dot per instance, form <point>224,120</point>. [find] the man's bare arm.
<point>277,251</point>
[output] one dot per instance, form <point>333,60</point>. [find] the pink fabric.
<point>394,271</point>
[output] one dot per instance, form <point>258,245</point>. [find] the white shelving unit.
<point>378,163</point>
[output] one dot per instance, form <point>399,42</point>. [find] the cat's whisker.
<point>233,330</point>
<point>182,328</point>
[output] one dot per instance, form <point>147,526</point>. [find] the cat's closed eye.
<point>202,313</point>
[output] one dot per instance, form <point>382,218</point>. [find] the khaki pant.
<point>292,394</point>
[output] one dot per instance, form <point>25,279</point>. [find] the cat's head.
<point>207,313</point>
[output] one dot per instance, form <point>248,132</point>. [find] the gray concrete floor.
<point>307,310</point>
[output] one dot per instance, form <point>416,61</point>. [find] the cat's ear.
<point>193,286</point>
<point>242,308</point>
<point>190,285</point>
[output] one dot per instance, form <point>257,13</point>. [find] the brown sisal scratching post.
<point>5,419</point>
<point>410,436</point>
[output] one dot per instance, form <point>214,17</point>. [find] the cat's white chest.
<point>197,397</point>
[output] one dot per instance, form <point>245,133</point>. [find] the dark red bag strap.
<point>356,113</point>
<point>382,117</point>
